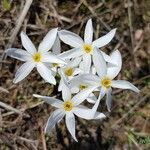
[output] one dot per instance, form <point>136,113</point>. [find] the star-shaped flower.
<point>104,81</point>
<point>69,107</point>
<point>84,47</point>
<point>36,58</point>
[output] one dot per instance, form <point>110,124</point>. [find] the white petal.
<point>23,71</point>
<point>81,96</point>
<point>89,79</point>
<point>83,112</point>
<point>51,58</point>
<point>70,38</point>
<point>48,41</point>
<point>102,41</point>
<point>114,69</point>
<point>93,70</point>
<point>45,73</point>
<point>70,123</point>
<point>86,113</point>
<point>99,63</point>
<point>88,33</point>
<point>73,53</point>
<point>102,92</point>
<point>56,49</point>
<point>109,99</point>
<point>106,57</point>
<point>55,117</point>
<point>27,43</point>
<point>86,63</point>
<point>74,89</point>
<point>77,71</point>
<point>18,54</point>
<point>92,98</point>
<point>122,84</point>
<point>74,62</point>
<point>95,107</point>
<point>50,100</point>
<point>99,115</point>
<point>66,93</point>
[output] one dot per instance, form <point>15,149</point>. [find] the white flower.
<point>35,58</point>
<point>69,107</point>
<point>84,47</point>
<point>68,71</point>
<point>104,81</point>
<point>77,85</point>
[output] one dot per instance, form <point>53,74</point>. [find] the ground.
<point>128,124</point>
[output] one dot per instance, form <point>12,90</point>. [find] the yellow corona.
<point>37,57</point>
<point>68,71</point>
<point>87,48</point>
<point>106,82</point>
<point>68,105</point>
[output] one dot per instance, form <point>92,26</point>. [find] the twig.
<point>31,142</point>
<point>130,111</point>
<point>130,24</point>
<point>43,138</point>
<point>10,108</point>
<point>18,26</point>
<point>3,90</point>
<point>23,109</point>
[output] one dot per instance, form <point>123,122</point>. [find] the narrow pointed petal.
<point>50,100</point>
<point>81,96</point>
<point>70,123</point>
<point>45,73</point>
<point>27,43</point>
<point>55,117</point>
<point>83,112</point>
<point>109,99</point>
<point>48,41</point>
<point>88,33</point>
<point>99,115</point>
<point>99,63</point>
<point>92,98</point>
<point>75,62</point>
<point>86,63</point>
<point>51,58</point>
<point>122,84</point>
<point>70,38</point>
<point>86,113</point>
<point>73,53</point>
<point>89,79</point>
<point>23,71</point>
<point>104,40</point>
<point>18,54</point>
<point>56,49</point>
<point>115,66</point>
<point>106,57</point>
<point>95,107</point>
<point>66,93</point>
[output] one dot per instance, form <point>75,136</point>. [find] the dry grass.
<point>21,125</point>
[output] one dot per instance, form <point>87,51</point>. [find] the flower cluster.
<point>84,70</point>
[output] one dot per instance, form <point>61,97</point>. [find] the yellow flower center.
<point>68,71</point>
<point>106,82</point>
<point>37,57</point>
<point>82,87</point>
<point>54,65</point>
<point>87,48</point>
<point>68,105</point>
